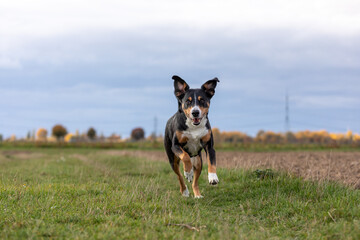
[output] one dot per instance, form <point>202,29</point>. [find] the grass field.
<point>88,194</point>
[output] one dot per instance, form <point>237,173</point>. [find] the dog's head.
<point>194,103</point>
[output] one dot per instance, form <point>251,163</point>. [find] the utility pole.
<point>287,118</point>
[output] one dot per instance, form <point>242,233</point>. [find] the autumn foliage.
<point>41,134</point>
<point>321,137</point>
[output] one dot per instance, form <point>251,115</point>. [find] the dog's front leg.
<point>185,158</point>
<point>211,159</point>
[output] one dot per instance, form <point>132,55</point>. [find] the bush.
<point>137,134</point>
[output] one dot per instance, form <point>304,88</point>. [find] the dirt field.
<point>343,167</point>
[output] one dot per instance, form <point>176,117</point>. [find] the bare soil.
<point>342,167</point>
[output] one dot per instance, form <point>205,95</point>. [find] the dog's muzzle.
<point>196,119</point>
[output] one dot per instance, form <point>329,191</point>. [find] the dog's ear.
<point>180,87</point>
<point>209,87</point>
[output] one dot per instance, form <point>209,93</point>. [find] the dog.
<point>188,131</point>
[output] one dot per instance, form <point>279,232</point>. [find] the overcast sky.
<point>108,64</point>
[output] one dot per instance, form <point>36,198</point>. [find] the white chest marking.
<point>194,135</point>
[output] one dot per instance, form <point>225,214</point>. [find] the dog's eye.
<point>188,102</point>
<point>202,101</point>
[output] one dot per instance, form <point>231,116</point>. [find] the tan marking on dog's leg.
<point>197,172</point>
<point>188,169</point>
<point>185,158</point>
<point>183,189</point>
<point>211,168</point>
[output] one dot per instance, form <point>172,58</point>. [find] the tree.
<point>12,138</point>
<point>1,137</point>
<point>260,135</point>
<point>290,137</point>
<point>137,134</point>
<point>69,137</point>
<point>59,131</point>
<point>216,136</point>
<point>41,134</point>
<point>91,133</point>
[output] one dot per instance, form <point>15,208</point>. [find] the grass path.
<point>85,194</point>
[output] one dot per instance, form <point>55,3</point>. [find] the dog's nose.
<point>196,113</point>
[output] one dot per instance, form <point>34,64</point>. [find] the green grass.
<point>84,194</point>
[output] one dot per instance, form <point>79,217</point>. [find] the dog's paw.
<point>186,193</point>
<point>213,179</point>
<point>189,175</point>
<point>199,196</point>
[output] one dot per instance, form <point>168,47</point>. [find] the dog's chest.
<point>194,136</point>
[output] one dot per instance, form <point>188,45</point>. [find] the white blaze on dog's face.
<point>194,103</point>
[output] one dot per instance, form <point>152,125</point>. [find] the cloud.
<point>80,106</point>
<point>111,63</point>
<point>82,96</point>
<point>327,102</point>
<point>7,63</point>
<point>216,50</point>
<point>44,18</point>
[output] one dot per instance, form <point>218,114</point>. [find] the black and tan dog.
<point>189,131</point>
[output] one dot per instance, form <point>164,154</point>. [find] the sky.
<point>108,64</point>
